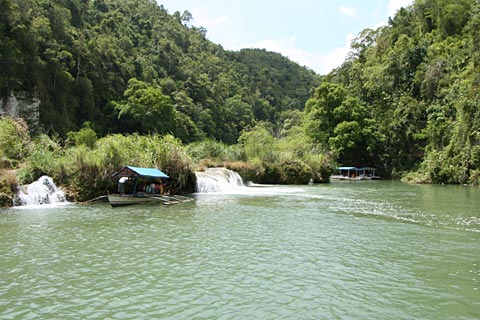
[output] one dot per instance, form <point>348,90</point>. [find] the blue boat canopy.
<point>134,172</point>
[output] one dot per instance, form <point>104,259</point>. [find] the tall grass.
<point>85,172</point>
<point>293,159</point>
<point>14,138</point>
<point>8,185</point>
<point>214,153</point>
<point>91,169</point>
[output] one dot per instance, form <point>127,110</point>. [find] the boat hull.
<point>117,200</point>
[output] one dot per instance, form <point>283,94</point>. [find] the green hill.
<point>78,57</point>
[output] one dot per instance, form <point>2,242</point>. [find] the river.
<point>364,250</point>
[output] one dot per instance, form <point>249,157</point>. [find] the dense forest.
<point>130,66</point>
<point>406,100</point>
<point>409,95</point>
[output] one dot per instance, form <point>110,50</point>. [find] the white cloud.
<point>321,63</point>
<point>286,47</point>
<point>350,12</point>
<point>327,62</point>
<point>395,5</point>
<point>210,22</point>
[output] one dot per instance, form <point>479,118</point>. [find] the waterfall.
<point>42,191</point>
<point>218,180</point>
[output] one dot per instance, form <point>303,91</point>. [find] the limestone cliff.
<point>22,105</point>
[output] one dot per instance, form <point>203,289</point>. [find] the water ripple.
<point>265,256</point>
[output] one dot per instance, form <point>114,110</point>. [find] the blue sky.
<point>314,33</point>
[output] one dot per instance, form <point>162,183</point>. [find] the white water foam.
<point>225,181</point>
<point>218,180</point>
<point>41,192</point>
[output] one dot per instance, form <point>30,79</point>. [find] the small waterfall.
<point>218,180</point>
<point>42,191</point>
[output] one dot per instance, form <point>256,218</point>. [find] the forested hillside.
<point>408,97</point>
<point>130,66</point>
<point>406,100</point>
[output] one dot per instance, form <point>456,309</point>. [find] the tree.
<point>152,111</point>
<point>258,144</point>
<point>85,136</point>
<point>319,111</point>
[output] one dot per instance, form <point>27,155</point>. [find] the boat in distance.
<point>355,174</point>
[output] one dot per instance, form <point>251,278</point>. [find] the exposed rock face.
<point>22,105</point>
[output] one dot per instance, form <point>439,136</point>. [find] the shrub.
<point>475,177</point>
<point>320,163</point>
<point>215,151</point>
<point>247,171</point>
<point>272,174</point>
<point>296,172</point>
<point>43,158</point>
<point>14,138</point>
<point>85,136</point>
<point>8,186</point>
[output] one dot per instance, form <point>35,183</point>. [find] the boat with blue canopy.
<point>145,185</point>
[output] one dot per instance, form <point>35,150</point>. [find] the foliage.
<point>130,66</point>
<point>14,137</point>
<point>296,172</point>
<point>147,108</point>
<point>85,136</point>
<point>406,99</point>
<point>293,159</point>
<point>342,123</point>
<point>418,80</point>
<point>217,152</point>
<point>42,159</point>
<point>8,185</point>
<point>258,145</point>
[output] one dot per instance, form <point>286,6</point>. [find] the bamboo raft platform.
<point>127,199</point>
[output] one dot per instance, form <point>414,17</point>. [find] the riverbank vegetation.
<point>261,157</point>
<point>128,83</point>
<point>83,163</point>
<point>419,79</point>
<point>84,166</point>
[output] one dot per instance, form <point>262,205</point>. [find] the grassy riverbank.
<point>82,164</point>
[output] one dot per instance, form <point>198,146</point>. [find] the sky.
<point>313,33</point>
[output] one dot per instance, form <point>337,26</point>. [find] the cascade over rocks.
<point>218,180</point>
<point>42,191</point>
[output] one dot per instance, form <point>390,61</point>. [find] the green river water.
<point>365,250</point>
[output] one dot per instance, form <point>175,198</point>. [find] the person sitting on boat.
<point>164,188</point>
<point>121,185</point>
